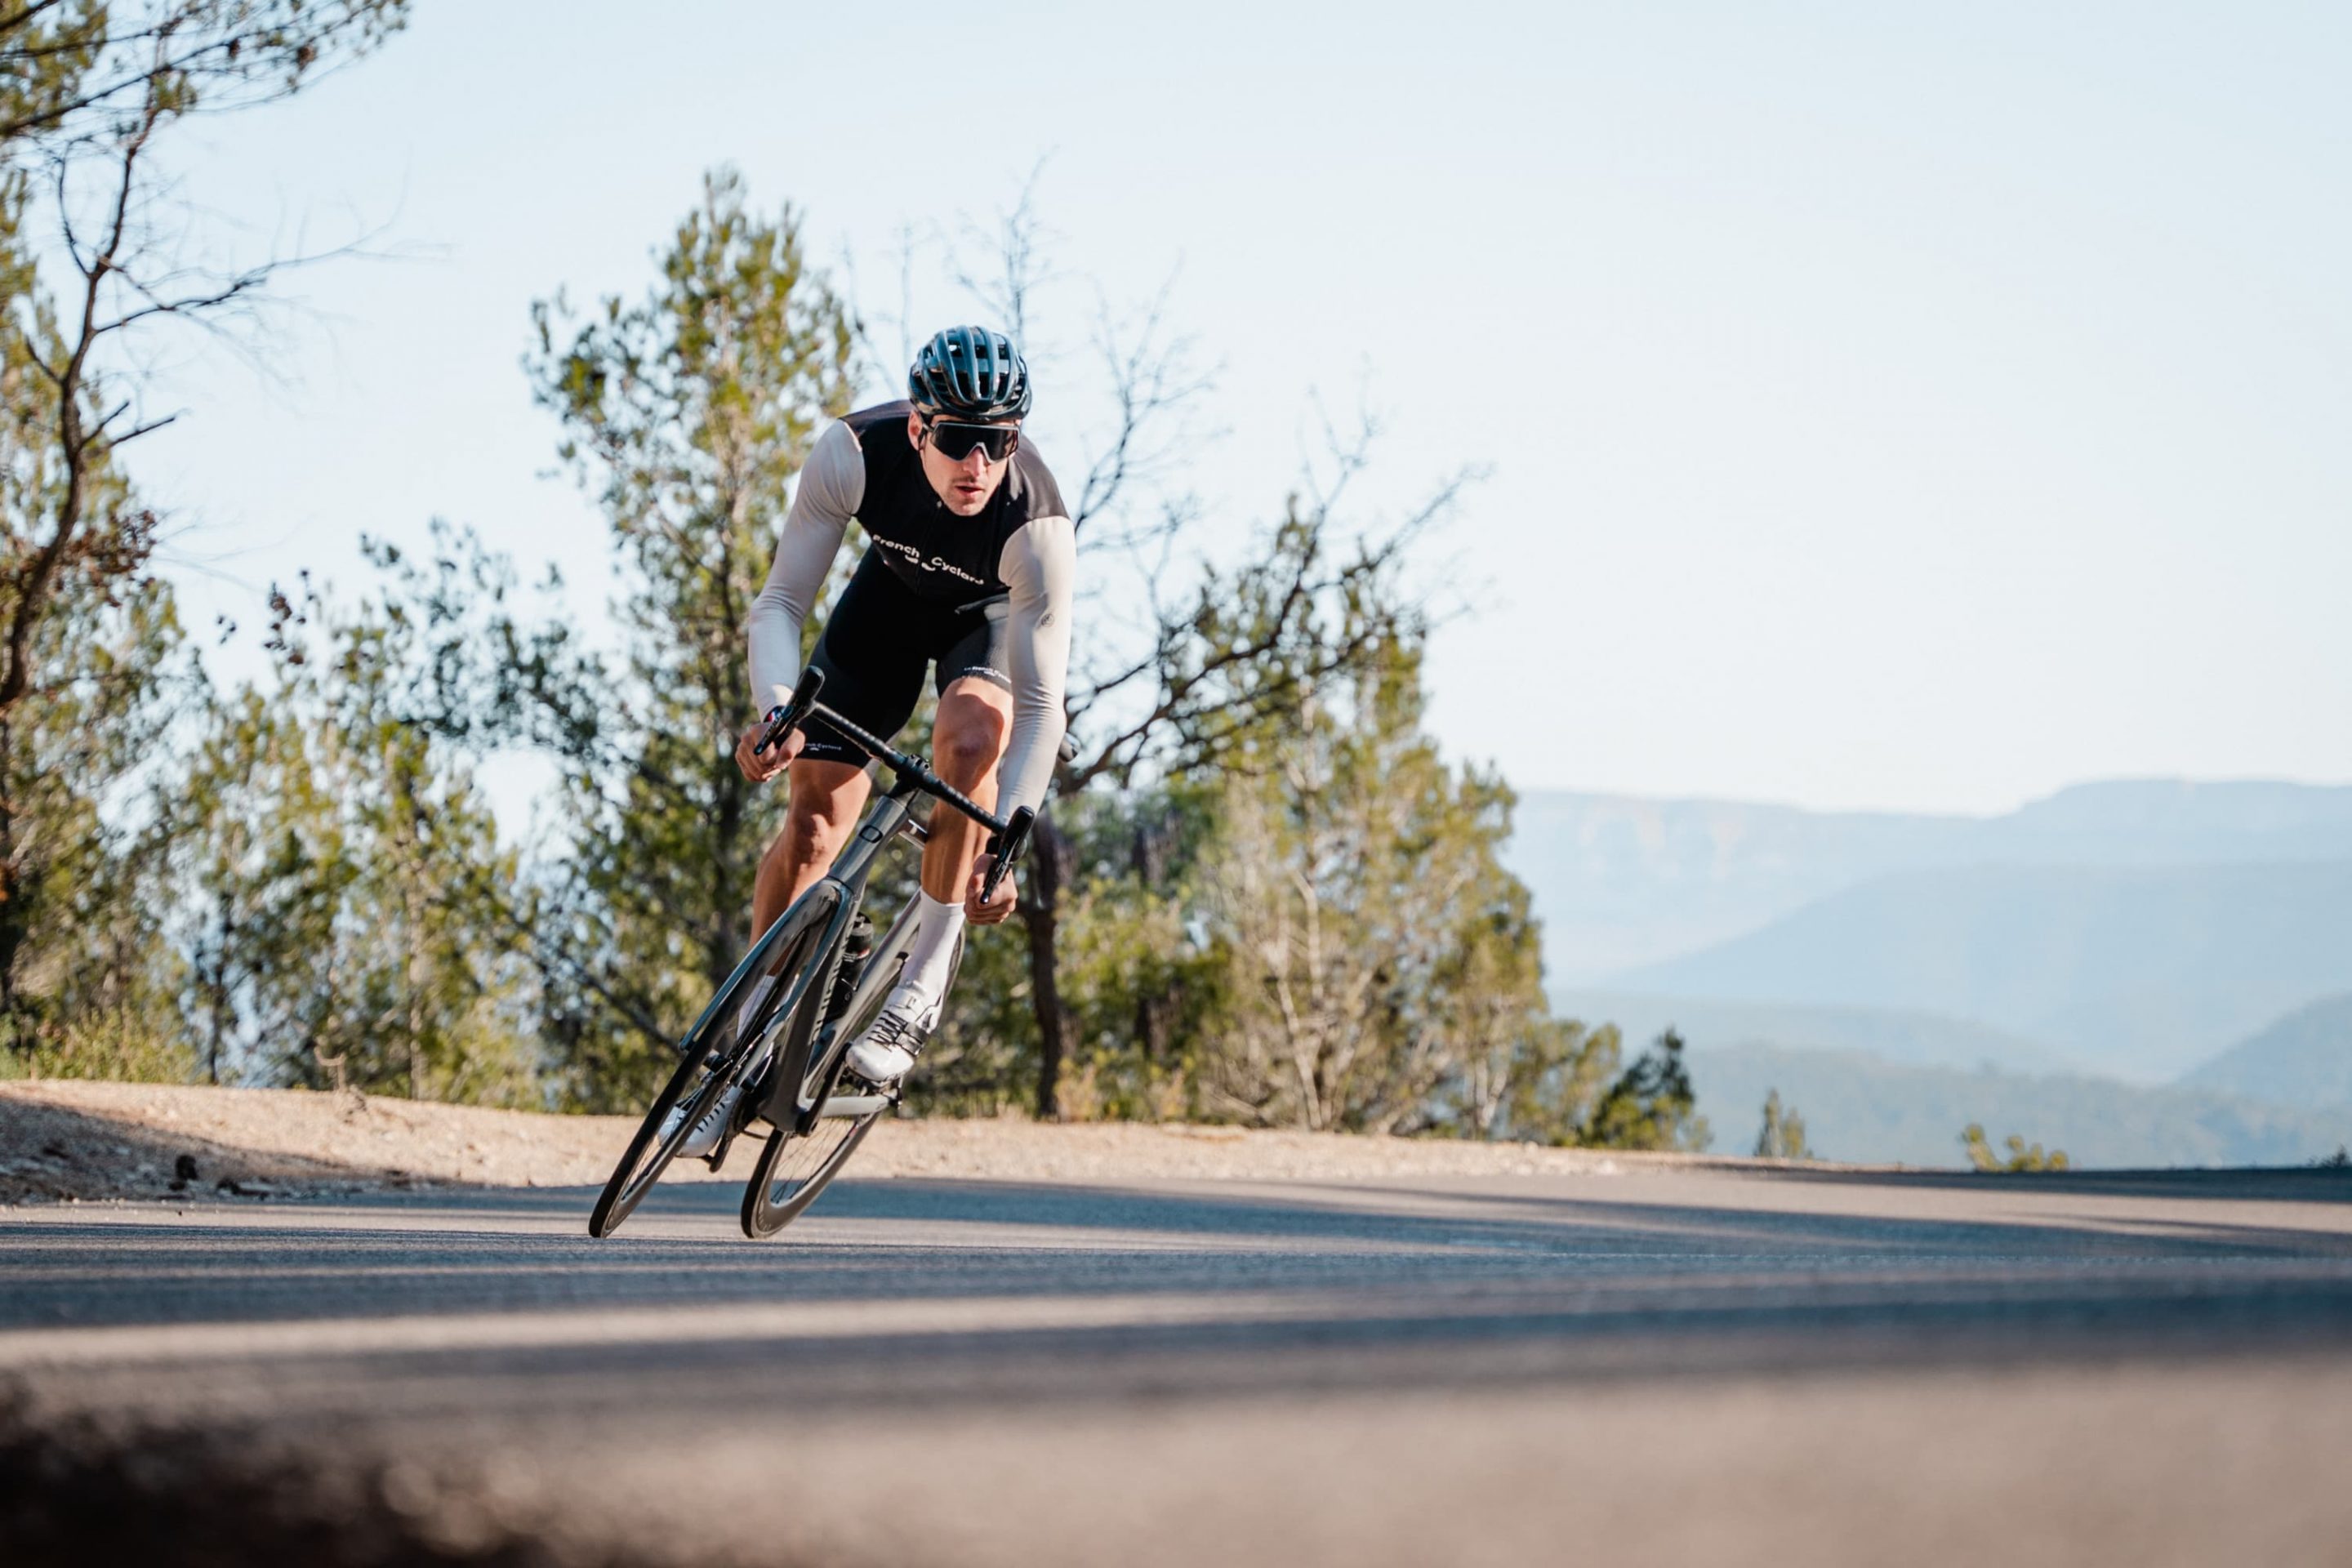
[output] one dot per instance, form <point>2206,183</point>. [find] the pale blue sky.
<point>1897,407</point>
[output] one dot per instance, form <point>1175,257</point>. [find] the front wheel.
<point>718,1056</point>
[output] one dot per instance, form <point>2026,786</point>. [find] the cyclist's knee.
<point>965,757</point>
<point>967,742</point>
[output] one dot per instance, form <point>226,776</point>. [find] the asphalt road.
<point>1646,1367</point>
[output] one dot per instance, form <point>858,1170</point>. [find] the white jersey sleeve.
<point>1040,566</point>
<point>832,486</point>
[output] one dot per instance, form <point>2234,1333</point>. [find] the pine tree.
<point>687,414</point>
<point>345,875</point>
<point>1651,1104</point>
<point>1783,1134</point>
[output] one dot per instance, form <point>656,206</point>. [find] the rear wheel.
<point>717,1057</point>
<point>794,1168</point>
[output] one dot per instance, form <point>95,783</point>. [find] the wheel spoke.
<point>806,1156</point>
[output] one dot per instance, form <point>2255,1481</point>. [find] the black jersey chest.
<point>931,550</point>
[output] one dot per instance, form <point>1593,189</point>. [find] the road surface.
<point>1645,1366</point>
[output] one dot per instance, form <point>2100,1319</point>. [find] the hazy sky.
<point>1899,407</point>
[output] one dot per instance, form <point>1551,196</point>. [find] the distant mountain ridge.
<point>1859,1106</point>
<point>1895,1035</point>
<point>2302,1059</point>
<point>1622,881</point>
<point>2139,972</point>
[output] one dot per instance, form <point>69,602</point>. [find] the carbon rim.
<point>794,1168</point>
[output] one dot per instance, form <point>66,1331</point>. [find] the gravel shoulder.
<point>70,1140</point>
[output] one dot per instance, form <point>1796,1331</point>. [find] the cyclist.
<point>969,569</point>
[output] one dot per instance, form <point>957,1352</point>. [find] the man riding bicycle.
<point>971,569</point>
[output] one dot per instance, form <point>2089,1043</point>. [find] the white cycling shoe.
<point>886,1050</point>
<point>713,1126</point>
<point>710,1130</point>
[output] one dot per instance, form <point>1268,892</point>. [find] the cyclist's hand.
<point>997,908</point>
<point>761,766</point>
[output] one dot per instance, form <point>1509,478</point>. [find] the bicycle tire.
<point>772,1201</point>
<point>708,1068</point>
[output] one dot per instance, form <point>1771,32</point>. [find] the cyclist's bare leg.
<point>967,736</point>
<point>826,797</point>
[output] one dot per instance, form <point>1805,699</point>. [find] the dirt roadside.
<point>67,1141</point>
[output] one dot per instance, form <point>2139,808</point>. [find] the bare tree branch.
<point>1017,250</point>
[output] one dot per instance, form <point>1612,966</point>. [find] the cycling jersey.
<point>1021,544</point>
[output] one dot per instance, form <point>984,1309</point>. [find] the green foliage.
<point>1650,1105</point>
<point>1783,1133</point>
<point>89,643</point>
<point>687,414</point>
<point>1143,981</point>
<point>344,876</point>
<point>1571,1088</point>
<point>1373,951</point>
<point>1138,984</point>
<point>1548,1091</point>
<point>2021,1155</point>
<point>115,1045</point>
<point>94,653</point>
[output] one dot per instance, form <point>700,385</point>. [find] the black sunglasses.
<point>955,439</point>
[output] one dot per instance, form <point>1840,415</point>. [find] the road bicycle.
<point>791,1049</point>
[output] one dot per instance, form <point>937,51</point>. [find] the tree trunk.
<point>216,987</point>
<point>730,897</point>
<point>12,913</point>
<point>1049,869</point>
<point>1154,1019</point>
<point>1155,1012</point>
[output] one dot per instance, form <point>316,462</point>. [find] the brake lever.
<point>783,720</point>
<point>1004,848</point>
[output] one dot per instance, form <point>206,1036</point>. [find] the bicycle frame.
<point>797,1023</point>
<point>787,1103</point>
<point>887,818</point>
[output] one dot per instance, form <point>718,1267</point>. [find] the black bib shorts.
<point>878,641</point>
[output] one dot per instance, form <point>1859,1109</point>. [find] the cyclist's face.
<point>965,484</point>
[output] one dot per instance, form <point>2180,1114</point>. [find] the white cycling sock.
<point>932,948</point>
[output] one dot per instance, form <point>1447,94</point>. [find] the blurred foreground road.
<point>1652,1367</point>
